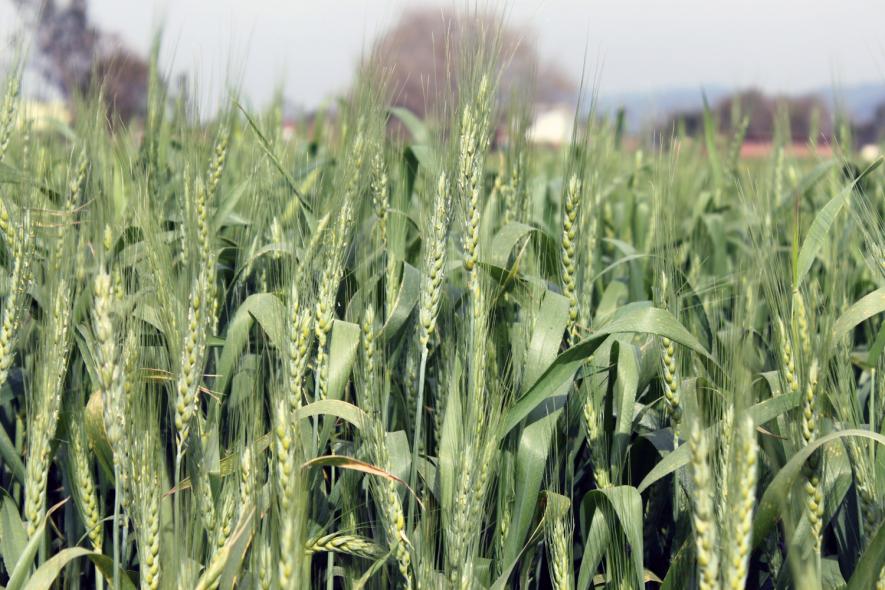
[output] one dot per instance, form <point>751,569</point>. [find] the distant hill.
<point>645,109</point>
<point>859,101</point>
<point>648,108</point>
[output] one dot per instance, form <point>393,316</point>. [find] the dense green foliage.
<point>367,359</point>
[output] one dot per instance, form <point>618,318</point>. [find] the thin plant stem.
<point>117,529</point>
<point>416,439</point>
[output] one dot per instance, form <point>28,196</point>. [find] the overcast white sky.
<point>312,45</point>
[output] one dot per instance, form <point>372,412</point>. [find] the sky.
<point>310,47</point>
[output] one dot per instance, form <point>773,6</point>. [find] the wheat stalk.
<point>473,140</point>
<point>789,364</point>
<point>216,165</point>
<point>298,342</point>
<point>192,358</point>
<point>13,305</point>
<point>737,551</point>
<point>109,368</point>
<point>434,264</point>
<point>325,304</point>
<point>558,535</point>
<point>82,479</point>
<point>343,543</point>
<point>145,504</point>
<point>226,517</point>
<point>704,520</point>
<point>7,112</point>
<point>380,194</point>
<point>800,317</point>
<point>593,434</point>
<point>47,404</point>
<point>587,257</point>
<point>568,252</point>
<point>384,490</point>
<point>292,568</point>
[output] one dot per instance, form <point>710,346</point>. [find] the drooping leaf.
<point>269,311</point>
<point>531,467</point>
<point>773,500</point>
<point>371,571</point>
<point>863,309</point>
<point>343,345</point>
<point>344,462</point>
<point>550,324</point>
<point>681,567</point>
<point>13,536</point>
<point>869,567</point>
<point>621,510</point>
<point>501,582</point>
<point>626,388</point>
<point>422,146</point>
<point>10,456</point>
<point>645,320</point>
<point>337,408</point>
<point>105,565</point>
<point>45,575</point>
<point>417,127</point>
<point>760,414</point>
<point>820,227</point>
<point>19,574</point>
<point>327,407</point>
<point>406,299</point>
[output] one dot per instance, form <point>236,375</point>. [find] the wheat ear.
<point>704,519</point>
<point>745,475</point>
<point>46,405</point>
<point>568,253</point>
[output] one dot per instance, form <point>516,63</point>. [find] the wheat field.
<point>438,357</point>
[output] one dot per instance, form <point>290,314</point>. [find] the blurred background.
<point>653,63</point>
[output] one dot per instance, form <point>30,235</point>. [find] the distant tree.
<point>123,76</point>
<point>872,130</point>
<point>76,57</point>
<point>419,52</point>
<point>65,41</point>
<point>796,115</point>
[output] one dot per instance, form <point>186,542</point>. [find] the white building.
<point>552,125</point>
<point>870,152</point>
